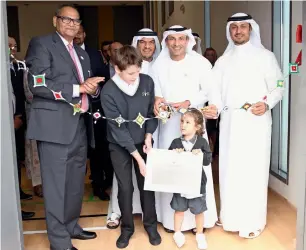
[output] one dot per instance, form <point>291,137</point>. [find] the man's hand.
<point>181,105</point>
<point>148,143</point>
<point>210,112</point>
<point>90,85</point>
<point>179,150</point>
<point>259,108</point>
<point>17,121</point>
<point>158,102</point>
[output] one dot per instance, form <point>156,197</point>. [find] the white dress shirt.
<point>76,87</point>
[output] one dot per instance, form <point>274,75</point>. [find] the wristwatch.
<point>267,107</point>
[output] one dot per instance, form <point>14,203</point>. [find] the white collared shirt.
<point>129,89</point>
<point>76,87</point>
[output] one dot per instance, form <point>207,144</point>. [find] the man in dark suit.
<point>60,135</point>
<point>100,163</point>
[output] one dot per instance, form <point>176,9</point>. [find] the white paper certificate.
<point>171,172</point>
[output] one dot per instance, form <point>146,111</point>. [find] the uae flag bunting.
<point>280,83</point>
<point>246,106</point>
<point>293,68</point>
<point>58,95</point>
<point>39,81</point>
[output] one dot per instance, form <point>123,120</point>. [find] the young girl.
<point>192,129</point>
<point>128,95</point>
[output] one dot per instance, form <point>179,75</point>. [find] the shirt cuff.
<point>95,95</point>
<point>76,90</point>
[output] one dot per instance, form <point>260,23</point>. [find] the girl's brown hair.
<point>198,119</point>
<point>127,56</point>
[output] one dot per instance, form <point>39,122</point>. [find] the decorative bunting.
<point>77,108</point>
<point>119,120</point>
<point>39,81</point>
<point>280,83</point>
<point>164,116</point>
<point>293,68</point>
<point>58,95</point>
<point>140,120</point>
<point>246,106</point>
<point>97,115</point>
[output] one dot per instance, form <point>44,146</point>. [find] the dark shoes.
<point>85,235</point>
<point>169,231</point>
<point>73,248</point>
<point>154,237</point>
<point>24,196</point>
<point>124,239</point>
<point>27,215</point>
<point>99,192</point>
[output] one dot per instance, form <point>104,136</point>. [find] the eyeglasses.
<point>68,20</point>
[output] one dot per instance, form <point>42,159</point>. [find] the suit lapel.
<point>58,43</point>
<point>81,54</point>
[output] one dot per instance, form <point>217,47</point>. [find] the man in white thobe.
<point>250,85</point>
<point>146,41</point>
<point>182,77</point>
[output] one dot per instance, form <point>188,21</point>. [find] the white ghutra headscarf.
<point>147,33</point>
<point>177,29</point>
<point>255,33</point>
<point>198,43</point>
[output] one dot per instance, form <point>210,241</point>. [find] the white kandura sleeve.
<point>215,94</point>
<point>201,97</point>
<point>157,86</point>
<point>272,76</point>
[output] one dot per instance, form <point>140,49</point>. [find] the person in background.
<point>212,125</point>
<point>101,169</point>
<point>104,51</point>
<point>20,112</point>
<point>113,47</point>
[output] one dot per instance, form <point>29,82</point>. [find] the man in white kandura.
<point>182,77</point>
<point>250,85</point>
<point>146,41</point>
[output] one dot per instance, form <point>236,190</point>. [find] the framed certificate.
<point>172,172</point>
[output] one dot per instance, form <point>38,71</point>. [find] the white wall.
<point>297,122</point>
<point>193,17</point>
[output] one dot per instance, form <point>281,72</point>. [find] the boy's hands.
<point>196,151</point>
<point>142,167</point>
<point>179,150</point>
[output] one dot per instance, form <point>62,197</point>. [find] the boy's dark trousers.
<point>122,163</point>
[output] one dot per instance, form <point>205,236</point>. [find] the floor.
<point>279,234</point>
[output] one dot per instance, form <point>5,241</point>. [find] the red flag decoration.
<point>293,68</point>
<point>298,34</point>
<point>39,81</point>
<point>298,60</point>
<point>58,95</point>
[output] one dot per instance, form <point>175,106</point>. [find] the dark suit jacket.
<point>202,144</point>
<point>53,120</point>
<point>98,67</point>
